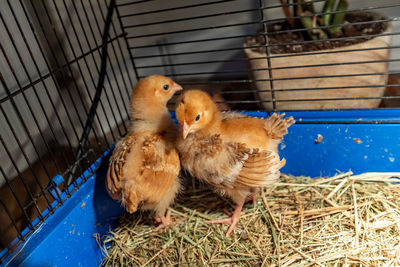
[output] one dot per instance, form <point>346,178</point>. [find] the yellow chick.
<point>234,153</point>
<point>144,167</point>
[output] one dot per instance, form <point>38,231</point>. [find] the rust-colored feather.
<point>116,166</point>
<point>260,170</point>
<point>228,164</point>
<point>277,126</point>
<point>143,171</point>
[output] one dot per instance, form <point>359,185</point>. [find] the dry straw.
<point>345,220</point>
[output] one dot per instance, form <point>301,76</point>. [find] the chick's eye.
<point>197,117</point>
<point>166,87</point>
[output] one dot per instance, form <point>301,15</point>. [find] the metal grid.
<point>64,98</point>
<point>175,40</point>
<point>51,54</point>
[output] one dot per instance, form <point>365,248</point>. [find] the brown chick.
<point>234,153</point>
<point>144,167</point>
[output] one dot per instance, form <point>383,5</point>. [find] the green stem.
<point>328,7</point>
<point>307,23</point>
<point>339,17</point>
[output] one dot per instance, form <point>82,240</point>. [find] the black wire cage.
<point>68,68</point>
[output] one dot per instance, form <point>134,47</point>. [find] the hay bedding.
<point>344,220</point>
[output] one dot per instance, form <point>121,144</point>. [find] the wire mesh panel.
<point>51,60</point>
<point>272,55</point>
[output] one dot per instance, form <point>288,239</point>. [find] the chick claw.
<point>230,214</point>
<point>164,221</point>
<point>233,220</point>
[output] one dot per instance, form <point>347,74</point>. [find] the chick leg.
<point>254,192</point>
<point>253,196</point>
<point>164,221</point>
<point>233,220</point>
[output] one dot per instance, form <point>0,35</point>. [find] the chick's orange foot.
<point>232,221</point>
<point>163,221</point>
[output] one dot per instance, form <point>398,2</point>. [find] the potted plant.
<point>320,56</point>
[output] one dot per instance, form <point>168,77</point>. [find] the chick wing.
<point>228,164</point>
<point>143,171</point>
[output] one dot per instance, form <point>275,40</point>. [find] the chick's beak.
<point>176,87</point>
<point>185,130</point>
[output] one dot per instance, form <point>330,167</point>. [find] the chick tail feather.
<point>276,126</point>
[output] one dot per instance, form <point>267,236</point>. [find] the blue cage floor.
<point>67,238</point>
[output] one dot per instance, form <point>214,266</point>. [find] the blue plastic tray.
<point>67,238</point>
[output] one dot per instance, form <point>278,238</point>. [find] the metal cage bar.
<point>63,107</point>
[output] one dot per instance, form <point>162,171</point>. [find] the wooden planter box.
<point>288,78</point>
